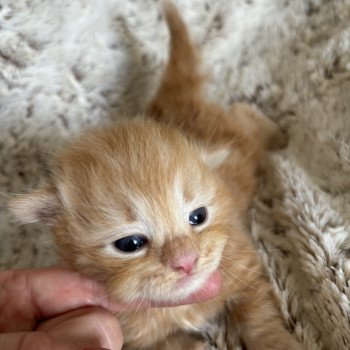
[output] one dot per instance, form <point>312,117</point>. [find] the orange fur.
<point>145,177</point>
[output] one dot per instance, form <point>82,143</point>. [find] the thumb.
<point>86,328</point>
<point>89,328</point>
<point>30,341</point>
<point>35,341</point>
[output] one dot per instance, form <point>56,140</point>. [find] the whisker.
<point>242,266</point>
<point>258,250</point>
<point>249,298</point>
<point>245,283</point>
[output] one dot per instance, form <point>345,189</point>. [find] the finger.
<point>89,327</point>
<point>84,329</point>
<point>37,341</point>
<point>30,341</point>
<point>27,296</point>
<point>210,289</point>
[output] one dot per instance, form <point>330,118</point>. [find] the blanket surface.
<point>66,65</point>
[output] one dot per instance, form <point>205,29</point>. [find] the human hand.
<point>54,309</point>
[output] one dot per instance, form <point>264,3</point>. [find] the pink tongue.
<point>210,288</point>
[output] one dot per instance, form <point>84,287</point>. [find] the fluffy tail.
<point>182,80</point>
<point>179,101</point>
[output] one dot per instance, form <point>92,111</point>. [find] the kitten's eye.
<point>198,216</point>
<point>130,243</point>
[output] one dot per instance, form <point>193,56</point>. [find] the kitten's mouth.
<point>208,290</point>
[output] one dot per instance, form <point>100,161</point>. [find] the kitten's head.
<point>138,207</point>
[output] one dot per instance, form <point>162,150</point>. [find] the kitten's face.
<point>141,211</point>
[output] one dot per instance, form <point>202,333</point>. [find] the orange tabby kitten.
<point>156,210</point>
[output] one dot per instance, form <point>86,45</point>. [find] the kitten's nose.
<point>185,262</point>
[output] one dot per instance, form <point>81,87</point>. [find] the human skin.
<point>56,308</point>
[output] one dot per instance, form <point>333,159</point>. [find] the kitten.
<point>156,209</point>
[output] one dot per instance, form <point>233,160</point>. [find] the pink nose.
<point>185,263</point>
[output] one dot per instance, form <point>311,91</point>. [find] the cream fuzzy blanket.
<point>66,65</point>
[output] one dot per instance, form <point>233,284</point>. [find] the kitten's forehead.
<point>123,178</point>
<point>164,213</point>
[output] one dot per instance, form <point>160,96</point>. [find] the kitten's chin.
<point>191,292</point>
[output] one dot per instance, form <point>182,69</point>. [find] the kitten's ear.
<point>215,157</point>
<point>39,205</point>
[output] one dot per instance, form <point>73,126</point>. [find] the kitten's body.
<point>145,177</point>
